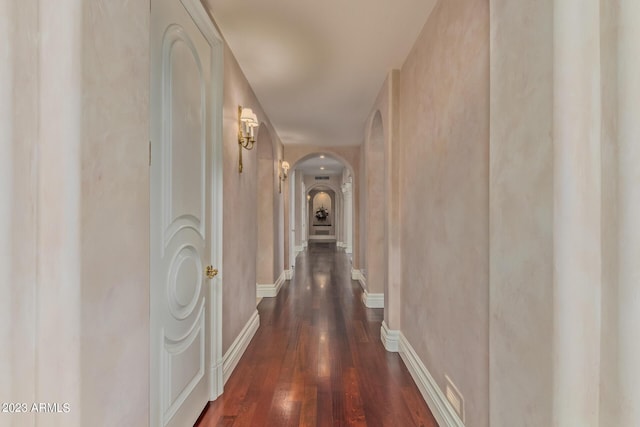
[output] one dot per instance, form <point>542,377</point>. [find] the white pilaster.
<point>577,247</point>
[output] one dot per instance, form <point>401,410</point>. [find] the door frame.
<point>213,315</point>
<point>204,22</point>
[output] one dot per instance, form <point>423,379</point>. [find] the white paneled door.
<point>184,214</point>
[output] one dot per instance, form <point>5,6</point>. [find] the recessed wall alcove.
<point>322,214</point>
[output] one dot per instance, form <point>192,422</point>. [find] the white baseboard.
<point>444,414</point>
<point>237,349</point>
<point>357,275</point>
<point>217,381</point>
<point>372,300</point>
<point>390,338</point>
<point>340,244</point>
<point>348,249</point>
<point>368,299</point>
<point>288,274</point>
<point>305,244</point>
<point>298,249</point>
<point>362,280</point>
<point>270,290</point>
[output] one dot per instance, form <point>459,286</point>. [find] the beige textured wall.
<point>80,281</point>
<point>444,110</point>
<point>6,199</point>
<point>18,202</point>
<point>521,247</point>
<point>240,211</point>
<point>609,329</point>
<point>115,213</point>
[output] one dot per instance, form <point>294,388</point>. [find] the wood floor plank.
<point>317,359</point>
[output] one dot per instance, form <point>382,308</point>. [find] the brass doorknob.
<point>211,272</point>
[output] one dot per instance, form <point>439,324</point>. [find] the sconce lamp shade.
<point>285,166</point>
<point>248,117</point>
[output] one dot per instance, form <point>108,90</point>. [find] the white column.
<point>577,246</point>
<point>629,212</point>
<point>348,217</point>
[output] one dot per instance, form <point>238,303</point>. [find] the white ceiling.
<point>312,166</point>
<point>317,66</point>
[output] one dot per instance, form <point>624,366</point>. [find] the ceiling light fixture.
<point>321,168</point>
<point>247,121</point>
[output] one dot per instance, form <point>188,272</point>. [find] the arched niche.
<point>267,267</point>
<point>374,205</point>
<point>323,214</point>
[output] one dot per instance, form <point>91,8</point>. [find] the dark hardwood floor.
<point>317,359</point>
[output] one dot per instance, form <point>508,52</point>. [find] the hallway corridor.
<point>317,359</point>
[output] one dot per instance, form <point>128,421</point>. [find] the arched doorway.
<point>314,173</point>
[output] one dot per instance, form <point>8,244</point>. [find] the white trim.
<point>357,275</point>
<point>441,409</point>
<point>270,290</point>
<point>362,280</point>
<point>299,249</point>
<point>340,244</point>
<point>321,237</point>
<point>288,274</point>
<point>372,300</point>
<point>204,23</point>
<point>369,300</point>
<point>201,19</point>
<point>237,349</point>
<point>348,249</point>
<point>389,337</point>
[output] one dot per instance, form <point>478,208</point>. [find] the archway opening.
<point>315,174</point>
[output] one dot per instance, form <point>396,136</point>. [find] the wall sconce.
<point>247,121</point>
<point>282,176</point>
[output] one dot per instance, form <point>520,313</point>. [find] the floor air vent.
<point>454,397</point>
